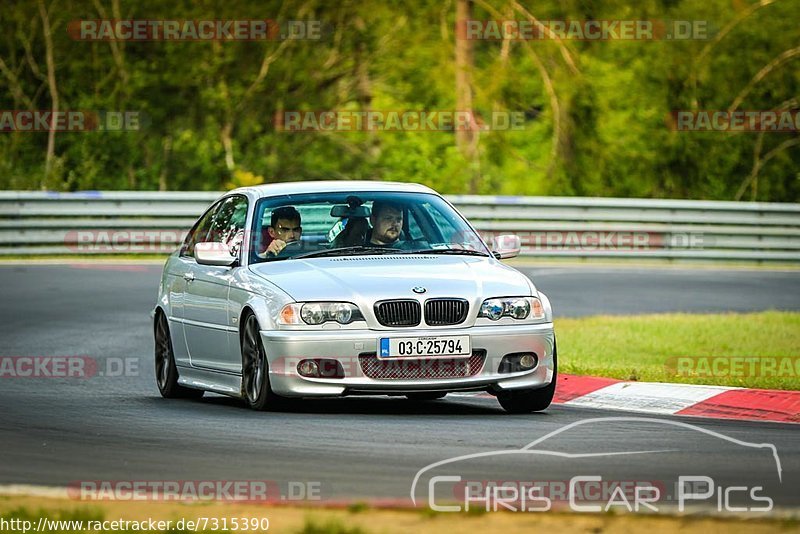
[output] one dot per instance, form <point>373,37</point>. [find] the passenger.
<point>387,224</point>
<point>284,228</point>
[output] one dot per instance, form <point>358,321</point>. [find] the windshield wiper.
<point>455,251</point>
<point>346,251</point>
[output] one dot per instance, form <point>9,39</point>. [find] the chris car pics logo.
<point>445,487</point>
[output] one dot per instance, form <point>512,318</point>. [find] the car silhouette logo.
<point>419,290</point>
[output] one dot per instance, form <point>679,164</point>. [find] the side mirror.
<point>213,254</point>
<point>506,246</point>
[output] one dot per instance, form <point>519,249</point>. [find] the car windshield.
<point>350,224</point>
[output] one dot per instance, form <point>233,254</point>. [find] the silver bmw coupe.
<point>311,289</point>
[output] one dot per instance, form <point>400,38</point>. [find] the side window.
<point>198,232</point>
<point>414,231</point>
<point>227,226</point>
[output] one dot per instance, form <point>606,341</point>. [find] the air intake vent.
<point>421,368</point>
<point>398,312</point>
<point>442,312</point>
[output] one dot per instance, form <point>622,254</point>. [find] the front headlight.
<point>514,307</point>
<point>316,313</point>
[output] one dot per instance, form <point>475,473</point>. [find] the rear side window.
<point>227,225</point>
<point>199,231</point>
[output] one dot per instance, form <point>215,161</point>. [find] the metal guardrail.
<point>38,223</point>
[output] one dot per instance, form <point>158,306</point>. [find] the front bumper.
<point>285,349</point>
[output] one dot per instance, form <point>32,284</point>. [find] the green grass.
<point>645,347</point>
<point>357,507</point>
<point>331,526</point>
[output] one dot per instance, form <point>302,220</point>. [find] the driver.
<point>284,228</point>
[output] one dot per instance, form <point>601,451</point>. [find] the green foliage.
<point>208,108</point>
<point>330,526</point>
<point>358,507</point>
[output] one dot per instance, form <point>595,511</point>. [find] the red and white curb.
<point>679,399</point>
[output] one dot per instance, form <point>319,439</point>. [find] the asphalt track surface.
<point>56,431</point>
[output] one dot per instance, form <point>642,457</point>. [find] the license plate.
<point>429,346</point>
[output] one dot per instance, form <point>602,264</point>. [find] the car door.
<point>206,320</point>
<point>177,276</point>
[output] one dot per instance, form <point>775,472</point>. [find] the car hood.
<point>385,277</point>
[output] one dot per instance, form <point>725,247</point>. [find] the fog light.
<point>308,368</point>
<point>321,368</point>
<point>518,362</point>
<point>329,368</point>
<point>527,361</point>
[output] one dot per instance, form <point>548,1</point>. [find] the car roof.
<point>333,186</point>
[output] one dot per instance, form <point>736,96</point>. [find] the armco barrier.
<point>108,222</point>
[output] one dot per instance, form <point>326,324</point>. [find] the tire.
<point>428,396</point>
<point>166,371</point>
<point>531,400</point>
<point>256,390</point>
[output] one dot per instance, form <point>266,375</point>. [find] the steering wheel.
<point>290,249</point>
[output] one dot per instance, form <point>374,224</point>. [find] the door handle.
<point>189,277</point>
